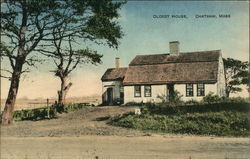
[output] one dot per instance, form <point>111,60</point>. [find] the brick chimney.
<point>117,62</point>
<point>174,48</point>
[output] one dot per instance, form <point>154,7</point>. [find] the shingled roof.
<point>188,67</point>
<point>201,56</point>
<point>114,74</point>
<point>163,68</point>
<point>172,73</point>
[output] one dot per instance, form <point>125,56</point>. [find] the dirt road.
<point>118,147</point>
<point>84,134</point>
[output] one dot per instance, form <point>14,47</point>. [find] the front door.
<point>110,96</point>
<point>170,92</point>
<point>121,95</point>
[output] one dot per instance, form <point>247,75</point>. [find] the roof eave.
<point>108,80</point>
<point>169,82</point>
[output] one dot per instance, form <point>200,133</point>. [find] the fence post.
<point>48,107</point>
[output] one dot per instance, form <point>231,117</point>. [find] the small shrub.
<point>34,114</point>
<point>211,98</point>
<point>235,100</point>
<point>45,112</point>
<point>174,99</point>
<point>145,110</point>
<point>134,104</point>
<point>72,107</point>
<point>192,102</point>
<point>162,98</point>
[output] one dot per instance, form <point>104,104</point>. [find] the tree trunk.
<point>227,89</point>
<point>17,70</point>
<point>227,93</point>
<point>11,99</point>
<point>64,90</point>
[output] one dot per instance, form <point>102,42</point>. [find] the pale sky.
<point>145,34</point>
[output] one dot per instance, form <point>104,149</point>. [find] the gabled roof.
<point>188,67</point>
<point>114,74</point>
<point>201,56</point>
<point>172,73</point>
<point>163,68</point>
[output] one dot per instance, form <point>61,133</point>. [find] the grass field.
<point>220,119</point>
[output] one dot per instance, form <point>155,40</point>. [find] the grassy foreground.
<point>220,119</point>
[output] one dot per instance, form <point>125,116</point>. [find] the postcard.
<point>124,79</point>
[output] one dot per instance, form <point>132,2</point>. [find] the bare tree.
<point>67,61</point>
<point>28,26</point>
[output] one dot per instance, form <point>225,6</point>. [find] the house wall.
<point>221,87</point>
<point>182,89</point>
<point>161,90</point>
<point>116,89</point>
<point>155,91</point>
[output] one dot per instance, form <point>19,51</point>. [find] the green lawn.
<point>220,119</point>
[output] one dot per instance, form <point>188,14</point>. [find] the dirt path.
<point>89,121</point>
<point>85,135</point>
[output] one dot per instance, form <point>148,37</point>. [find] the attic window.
<point>189,90</point>
<point>137,91</point>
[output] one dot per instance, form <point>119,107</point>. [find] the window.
<point>121,89</point>
<point>189,90</point>
<point>200,89</point>
<point>147,91</point>
<point>137,91</point>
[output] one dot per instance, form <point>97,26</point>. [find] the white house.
<point>192,74</point>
